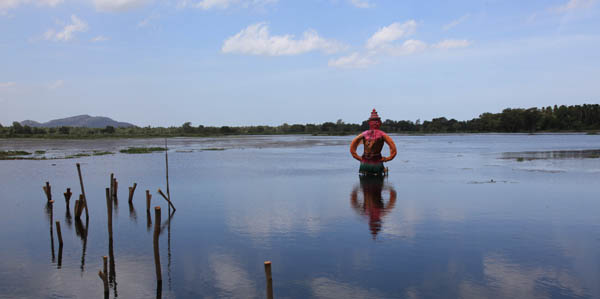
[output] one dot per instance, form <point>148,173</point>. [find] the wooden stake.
<point>155,239</point>
<point>112,184</point>
<point>48,190</point>
<point>82,191</point>
<point>105,265</point>
<point>59,234</point>
<point>115,189</point>
<point>148,199</point>
<point>131,191</point>
<point>167,199</point>
<point>269,280</point>
<point>167,168</point>
<point>67,196</point>
<point>104,282</point>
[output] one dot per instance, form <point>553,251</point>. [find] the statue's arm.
<point>354,146</point>
<point>392,146</point>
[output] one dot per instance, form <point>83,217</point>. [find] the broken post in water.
<point>67,197</point>
<point>148,199</point>
<point>112,182</point>
<point>167,168</point>
<point>112,271</point>
<point>47,191</point>
<point>59,234</point>
<point>87,215</point>
<point>131,191</point>
<point>269,280</point>
<point>155,240</point>
<point>167,199</point>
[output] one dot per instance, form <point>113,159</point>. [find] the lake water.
<point>459,216</point>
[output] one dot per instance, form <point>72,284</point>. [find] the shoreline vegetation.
<point>556,119</point>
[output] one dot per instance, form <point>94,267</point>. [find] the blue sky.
<point>245,62</point>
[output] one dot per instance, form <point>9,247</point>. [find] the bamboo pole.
<point>131,191</point>
<point>269,280</point>
<point>82,191</point>
<point>155,239</point>
<point>59,234</point>
<point>167,199</point>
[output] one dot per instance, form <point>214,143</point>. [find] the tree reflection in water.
<point>372,204</point>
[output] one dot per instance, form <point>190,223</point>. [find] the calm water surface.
<point>460,216</point>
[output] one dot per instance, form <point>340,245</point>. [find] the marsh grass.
<point>142,150</point>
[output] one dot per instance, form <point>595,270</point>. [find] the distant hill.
<point>79,121</point>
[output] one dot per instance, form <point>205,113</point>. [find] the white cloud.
<point>408,47</point>
<point>455,22</point>
<point>223,4</point>
<point>361,3</point>
<point>56,84</point>
<point>256,40</point>
<point>118,5</point>
<point>99,38</point>
<point>354,60</point>
<point>68,31</point>
<point>391,33</point>
<point>573,5</point>
<point>452,44</point>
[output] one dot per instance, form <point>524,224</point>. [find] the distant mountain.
<point>79,121</point>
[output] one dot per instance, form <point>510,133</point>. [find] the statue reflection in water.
<point>372,204</point>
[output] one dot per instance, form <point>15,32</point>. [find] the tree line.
<point>546,119</point>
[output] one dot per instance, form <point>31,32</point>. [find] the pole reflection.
<point>371,204</point>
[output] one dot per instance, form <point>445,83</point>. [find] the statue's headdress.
<point>374,116</point>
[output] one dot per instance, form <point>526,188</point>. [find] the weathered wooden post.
<point>269,280</point>
<point>116,189</point>
<point>167,199</point>
<point>111,255</point>
<point>47,190</point>
<point>112,184</point>
<point>87,216</point>
<point>148,199</point>
<point>156,251</point>
<point>105,265</point>
<point>67,197</point>
<point>131,191</point>
<point>59,234</point>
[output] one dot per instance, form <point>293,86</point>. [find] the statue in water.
<point>371,162</point>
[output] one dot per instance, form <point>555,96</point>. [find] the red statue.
<point>371,162</point>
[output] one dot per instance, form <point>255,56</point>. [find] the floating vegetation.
<point>13,155</point>
<point>213,149</point>
<point>100,153</point>
<point>541,170</point>
<point>40,152</point>
<point>142,150</point>
<point>549,155</point>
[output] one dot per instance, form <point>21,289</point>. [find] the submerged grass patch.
<point>99,153</point>
<point>142,150</point>
<point>13,155</point>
